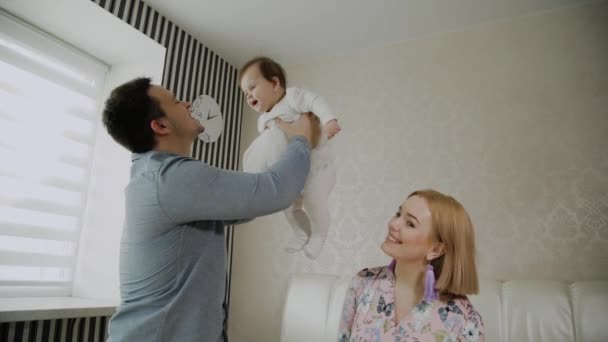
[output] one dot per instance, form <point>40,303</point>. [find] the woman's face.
<point>409,232</point>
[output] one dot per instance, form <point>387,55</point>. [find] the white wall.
<point>129,53</point>
<point>511,118</point>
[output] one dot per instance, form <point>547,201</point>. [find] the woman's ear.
<point>436,251</point>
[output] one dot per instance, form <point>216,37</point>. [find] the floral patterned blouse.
<point>368,314</point>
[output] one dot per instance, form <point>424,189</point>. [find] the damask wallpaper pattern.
<point>511,118</point>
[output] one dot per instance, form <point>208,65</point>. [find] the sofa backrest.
<point>515,310</point>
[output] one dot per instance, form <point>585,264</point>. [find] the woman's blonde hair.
<point>455,270</point>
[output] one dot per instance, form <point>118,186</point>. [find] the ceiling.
<point>294,31</point>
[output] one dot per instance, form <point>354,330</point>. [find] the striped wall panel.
<point>84,329</point>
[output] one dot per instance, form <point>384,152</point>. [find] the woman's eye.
<point>397,214</point>
<point>410,224</point>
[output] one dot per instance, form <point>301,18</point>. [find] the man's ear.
<point>160,126</point>
<point>436,251</point>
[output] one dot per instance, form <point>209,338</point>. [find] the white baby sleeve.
<point>303,101</point>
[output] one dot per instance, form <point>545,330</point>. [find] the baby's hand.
<point>332,128</point>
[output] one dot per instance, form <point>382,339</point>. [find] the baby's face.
<point>260,93</point>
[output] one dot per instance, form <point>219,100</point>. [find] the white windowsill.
<point>34,309</point>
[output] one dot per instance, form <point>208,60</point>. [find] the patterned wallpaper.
<point>511,118</point>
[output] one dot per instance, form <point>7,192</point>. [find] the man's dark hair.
<point>268,69</point>
<point>128,113</point>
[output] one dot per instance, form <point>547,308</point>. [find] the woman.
<point>421,294</point>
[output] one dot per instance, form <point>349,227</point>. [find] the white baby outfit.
<point>309,215</point>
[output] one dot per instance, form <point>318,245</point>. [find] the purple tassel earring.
<point>430,294</point>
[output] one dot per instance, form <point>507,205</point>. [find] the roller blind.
<point>49,112</point>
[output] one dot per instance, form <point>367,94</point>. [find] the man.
<point>172,257</point>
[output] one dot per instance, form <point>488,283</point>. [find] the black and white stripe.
<point>90,329</point>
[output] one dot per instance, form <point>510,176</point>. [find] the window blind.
<point>49,112</point>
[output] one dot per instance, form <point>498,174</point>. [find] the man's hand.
<point>332,128</point>
<point>308,126</point>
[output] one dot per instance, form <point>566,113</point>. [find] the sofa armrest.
<point>313,307</point>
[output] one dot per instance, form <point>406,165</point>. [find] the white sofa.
<point>516,310</point>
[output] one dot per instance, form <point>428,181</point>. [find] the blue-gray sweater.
<point>172,251</point>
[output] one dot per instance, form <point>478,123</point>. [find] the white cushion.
<point>590,304</point>
<point>537,311</point>
<point>517,310</point>
<point>312,308</point>
<point>486,303</point>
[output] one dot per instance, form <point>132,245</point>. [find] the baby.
<point>264,84</point>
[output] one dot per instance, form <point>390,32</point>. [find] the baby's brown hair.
<point>268,69</point>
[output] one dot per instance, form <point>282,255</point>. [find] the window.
<point>49,105</point>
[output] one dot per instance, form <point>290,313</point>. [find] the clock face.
<point>208,113</point>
